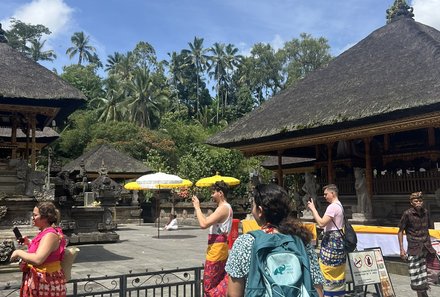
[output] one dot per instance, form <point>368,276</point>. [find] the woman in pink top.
<point>332,255</point>
<point>41,263</point>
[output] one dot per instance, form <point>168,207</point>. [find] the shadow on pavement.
<point>174,236</point>
<point>97,253</point>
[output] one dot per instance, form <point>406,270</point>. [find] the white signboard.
<point>363,268</point>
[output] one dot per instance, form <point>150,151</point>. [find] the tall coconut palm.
<point>112,62</point>
<point>81,47</point>
<point>197,57</point>
<point>223,61</point>
<point>112,106</point>
<point>145,102</point>
<point>37,54</point>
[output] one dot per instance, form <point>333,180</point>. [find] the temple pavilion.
<point>375,109</point>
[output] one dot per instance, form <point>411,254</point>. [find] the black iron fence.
<point>185,282</point>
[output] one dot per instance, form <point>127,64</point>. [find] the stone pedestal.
<point>307,215</point>
<point>362,219</point>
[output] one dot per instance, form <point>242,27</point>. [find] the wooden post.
<point>386,142</point>
<point>280,169</point>
<point>34,142</point>
<point>368,166</point>
<point>14,137</point>
<point>431,137</point>
<point>330,163</point>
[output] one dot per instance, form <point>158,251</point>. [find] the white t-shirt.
<point>334,211</point>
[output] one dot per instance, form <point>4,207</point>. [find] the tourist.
<point>332,256</point>
<point>272,210</point>
<point>172,223</point>
<point>415,223</point>
<point>219,223</point>
<point>41,263</point>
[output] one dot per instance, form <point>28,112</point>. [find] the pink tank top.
<point>56,255</point>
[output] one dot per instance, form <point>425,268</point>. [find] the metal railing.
<point>185,282</point>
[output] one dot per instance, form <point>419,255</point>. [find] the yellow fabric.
<point>217,251</point>
<point>251,225</point>
<point>47,267</point>
<point>333,273</point>
<point>387,230</point>
<point>312,228</point>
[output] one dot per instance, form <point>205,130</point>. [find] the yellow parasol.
<point>210,181</point>
<point>132,186</point>
<point>186,183</point>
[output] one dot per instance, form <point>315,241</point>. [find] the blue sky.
<point>168,25</point>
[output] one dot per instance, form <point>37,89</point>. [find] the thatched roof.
<point>25,82</point>
<point>42,136</point>
<point>391,74</point>
<point>114,161</point>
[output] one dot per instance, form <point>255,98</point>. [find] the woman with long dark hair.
<point>272,210</point>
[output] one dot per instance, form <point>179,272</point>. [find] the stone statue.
<point>363,197</point>
<point>310,188</point>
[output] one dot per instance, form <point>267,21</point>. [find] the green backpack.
<point>279,267</point>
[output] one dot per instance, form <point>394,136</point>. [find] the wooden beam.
<point>386,127</point>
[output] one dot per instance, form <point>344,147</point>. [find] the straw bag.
<point>70,254</point>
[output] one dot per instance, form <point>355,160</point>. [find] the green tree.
<point>38,54</point>
<point>145,100</point>
<point>81,48</point>
<point>85,79</point>
<point>21,36</point>
<point>304,55</point>
<point>223,61</point>
<point>198,58</point>
<point>112,106</point>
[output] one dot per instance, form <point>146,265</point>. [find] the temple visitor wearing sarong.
<point>332,256</point>
<point>415,223</point>
<point>41,263</point>
<point>215,279</point>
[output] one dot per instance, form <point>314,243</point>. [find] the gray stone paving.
<point>139,249</point>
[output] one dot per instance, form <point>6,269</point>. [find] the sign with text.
<point>386,287</point>
<point>364,268</point>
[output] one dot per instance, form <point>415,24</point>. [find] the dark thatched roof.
<point>46,134</point>
<point>114,161</point>
<point>391,74</point>
<point>25,82</point>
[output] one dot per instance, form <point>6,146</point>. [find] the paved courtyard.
<point>140,249</point>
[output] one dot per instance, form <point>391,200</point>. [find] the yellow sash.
<point>46,267</point>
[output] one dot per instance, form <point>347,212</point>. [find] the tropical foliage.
<point>162,111</point>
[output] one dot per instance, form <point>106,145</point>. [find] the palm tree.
<point>197,57</point>
<point>145,101</point>
<point>81,47</point>
<point>112,62</point>
<point>223,62</point>
<point>36,51</point>
<point>111,107</point>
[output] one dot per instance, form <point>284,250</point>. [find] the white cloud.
<point>427,12</point>
<point>54,14</point>
<point>277,42</point>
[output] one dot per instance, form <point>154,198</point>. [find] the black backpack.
<point>348,235</point>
